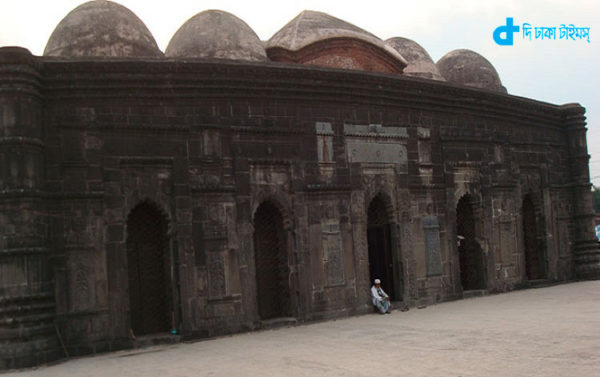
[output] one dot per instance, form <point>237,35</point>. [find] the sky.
<point>555,71</point>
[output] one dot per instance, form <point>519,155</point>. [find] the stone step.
<point>541,283</point>
<point>155,339</point>
<point>275,323</point>
<point>474,293</point>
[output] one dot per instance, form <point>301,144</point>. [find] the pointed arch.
<point>380,215</point>
<point>148,269</point>
<point>279,200</point>
<point>271,262</point>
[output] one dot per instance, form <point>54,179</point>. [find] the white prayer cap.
<point>377,281</point>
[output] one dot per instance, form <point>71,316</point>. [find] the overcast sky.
<point>555,71</point>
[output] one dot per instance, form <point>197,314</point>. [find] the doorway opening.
<point>271,260</point>
<point>148,269</point>
<point>469,251</point>
<point>379,238</point>
<point>534,253</point>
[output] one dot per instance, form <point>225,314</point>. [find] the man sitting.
<point>380,299</point>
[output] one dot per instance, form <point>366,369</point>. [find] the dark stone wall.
<point>208,142</point>
<point>27,309</point>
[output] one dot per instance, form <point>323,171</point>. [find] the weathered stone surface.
<point>333,259</point>
<point>433,253</point>
<point>419,62</point>
<point>375,144</point>
<point>466,67</point>
<point>216,34</point>
<point>310,27</point>
<point>204,147</point>
<point>316,38</point>
<point>102,29</point>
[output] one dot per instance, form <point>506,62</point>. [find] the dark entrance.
<point>148,267</point>
<point>272,270</point>
<point>381,265</point>
<point>469,251</point>
<point>534,256</point>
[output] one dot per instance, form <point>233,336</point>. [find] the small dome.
<point>420,63</point>
<point>216,34</point>
<point>310,27</point>
<point>466,67</point>
<point>102,29</point>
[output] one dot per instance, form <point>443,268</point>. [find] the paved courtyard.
<point>551,331</point>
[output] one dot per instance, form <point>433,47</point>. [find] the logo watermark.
<point>504,34</point>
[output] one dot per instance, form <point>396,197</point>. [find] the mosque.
<point>231,184</point>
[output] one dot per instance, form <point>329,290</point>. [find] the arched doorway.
<point>470,253</point>
<point>148,270</point>
<point>534,255</point>
<point>379,238</point>
<point>271,260</point>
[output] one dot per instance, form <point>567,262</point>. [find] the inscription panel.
<point>372,151</point>
<point>374,143</point>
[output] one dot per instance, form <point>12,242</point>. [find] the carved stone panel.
<point>270,175</point>
<point>216,275</point>
<point>81,279</point>
<point>375,144</point>
<point>433,253</point>
<point>211,143</point>
<point>332,253</point>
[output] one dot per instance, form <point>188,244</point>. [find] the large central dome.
<point>102,29</point>
<point>317,38</point>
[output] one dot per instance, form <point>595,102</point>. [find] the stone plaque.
<point>433,252</point>
<point>332,253</point>
<point>372,151</point>
<point>374,143</point>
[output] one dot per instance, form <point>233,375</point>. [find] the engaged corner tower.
<point>27,305</point>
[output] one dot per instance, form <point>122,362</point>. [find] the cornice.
<point>201,79</point>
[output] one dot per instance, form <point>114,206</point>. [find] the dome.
<point>466,67</point>
<point>101,29</point>
<point>310,27</point>
<point>420,63</point>
<point>216,34</point>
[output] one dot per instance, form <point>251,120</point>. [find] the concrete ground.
<point>539,332</point>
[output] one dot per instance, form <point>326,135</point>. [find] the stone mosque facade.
<point>230,184</point>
